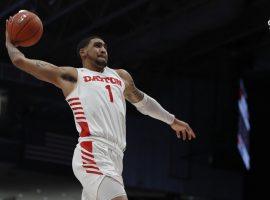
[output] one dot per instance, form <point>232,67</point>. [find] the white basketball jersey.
<point>99,106</point>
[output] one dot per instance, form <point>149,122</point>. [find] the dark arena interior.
<point>206,61</point>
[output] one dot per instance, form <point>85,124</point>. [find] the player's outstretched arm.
<point>149,106</point>
<point>40,69</point>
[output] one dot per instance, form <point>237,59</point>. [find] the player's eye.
<point>99,45</point>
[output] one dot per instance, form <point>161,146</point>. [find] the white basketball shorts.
<point>92,162</point>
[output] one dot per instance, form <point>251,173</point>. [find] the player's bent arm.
<point>131,93</point>
<point>144,103</point>
<point>40,69</point>
<point>149,106</point>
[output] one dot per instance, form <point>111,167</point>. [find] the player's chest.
<point>101,81</point>
<point>109,85</point>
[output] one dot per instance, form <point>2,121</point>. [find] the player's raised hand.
<point>7,34</point>
<point>182,130</point>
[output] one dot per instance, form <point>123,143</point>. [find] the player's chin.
<point>101,62</point>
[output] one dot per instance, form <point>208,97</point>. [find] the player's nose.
<point>103,49</point>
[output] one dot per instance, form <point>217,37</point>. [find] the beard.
<point>100,63</point>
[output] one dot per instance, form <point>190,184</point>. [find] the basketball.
<point>25,28</point>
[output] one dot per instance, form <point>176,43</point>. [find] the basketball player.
<point>96,95</point>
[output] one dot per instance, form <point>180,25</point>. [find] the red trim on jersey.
<point>78,118</point>
<point>77,108</point>
<point>75,103</point>
<point>85,132</point>
<point>93,172</point>
<point>73,99</point>
<point>79,113</point>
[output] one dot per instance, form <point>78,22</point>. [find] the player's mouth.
<point>103,57</point>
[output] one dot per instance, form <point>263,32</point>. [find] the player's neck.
<point>92,67</point>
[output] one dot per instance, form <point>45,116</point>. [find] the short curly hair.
<point>84,42</point>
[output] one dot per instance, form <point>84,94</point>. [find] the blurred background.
<point>207,61</point>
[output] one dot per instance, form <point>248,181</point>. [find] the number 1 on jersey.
<point>108,87</point>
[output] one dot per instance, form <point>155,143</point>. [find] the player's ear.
<point>82,52</point>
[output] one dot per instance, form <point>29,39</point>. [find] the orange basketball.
<point>25,28</point>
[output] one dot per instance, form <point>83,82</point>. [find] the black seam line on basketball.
<point>31,35</point>
<point>23,27</point>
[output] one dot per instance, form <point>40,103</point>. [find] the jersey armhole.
<point>75,87</point>
<point>124,84</point>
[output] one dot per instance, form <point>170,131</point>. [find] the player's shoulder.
<point>69,70</point>
<point>123,74</point>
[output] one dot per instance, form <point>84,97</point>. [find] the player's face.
<point>97,52</point>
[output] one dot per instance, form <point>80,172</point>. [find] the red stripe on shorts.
<point>88,161</point>
<point>93,172</point>
<point>88,146</point>
<point>90,167</point>
<point>88,154</point>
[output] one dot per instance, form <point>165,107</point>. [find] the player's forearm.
<point>16,56</point>
<point>149,106</point>
<point>19,60</point>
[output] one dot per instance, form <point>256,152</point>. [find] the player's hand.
<point>182,130</point>
<point>7,35</point>
<point>8,41</point>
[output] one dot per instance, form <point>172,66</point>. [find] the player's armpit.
<point>131,93</point>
